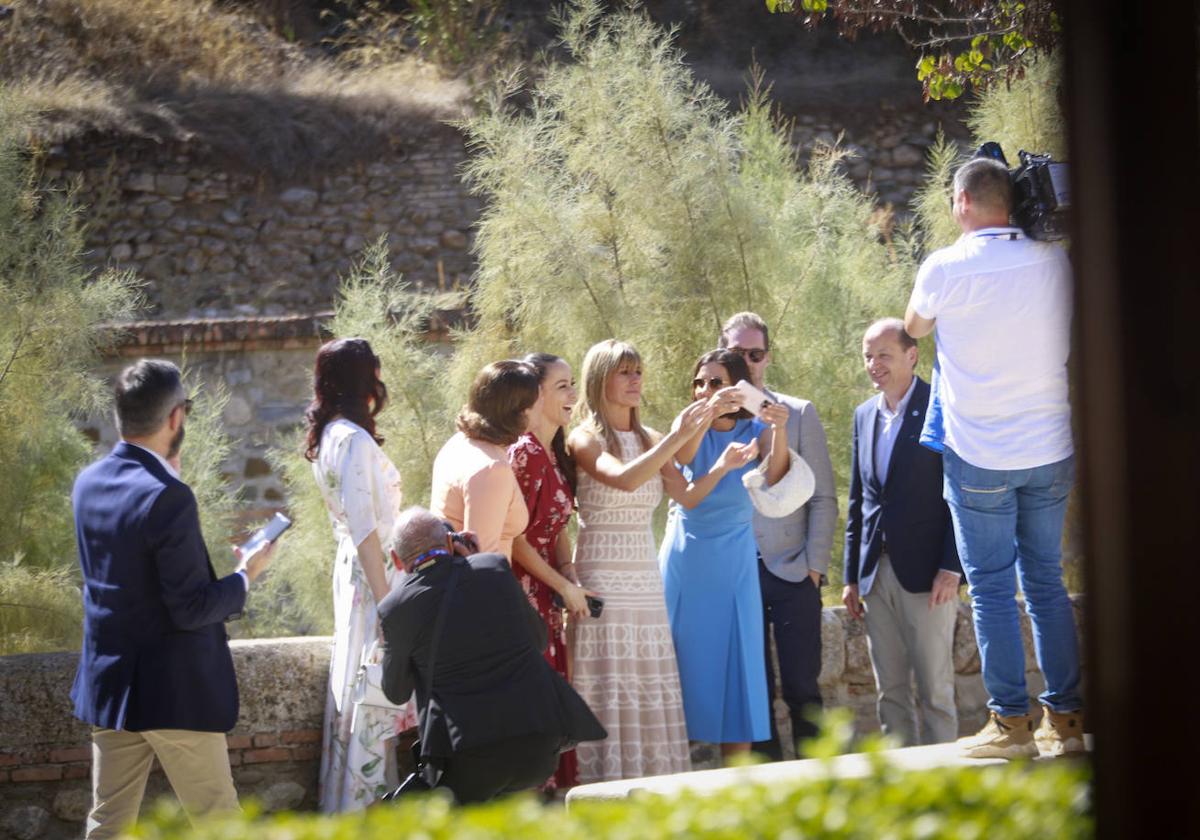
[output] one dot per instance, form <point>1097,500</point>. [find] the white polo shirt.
<point>1003,309</point>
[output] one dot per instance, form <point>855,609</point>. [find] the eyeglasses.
<point>714,383</point>
<point>756,355</point>
<point>187,406</point>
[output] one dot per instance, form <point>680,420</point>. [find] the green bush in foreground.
<point>1017,800</point>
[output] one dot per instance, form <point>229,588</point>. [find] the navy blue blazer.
<point>907,509</point>
<point>155,652</point>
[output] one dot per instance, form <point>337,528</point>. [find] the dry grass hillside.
<point>216,74</point>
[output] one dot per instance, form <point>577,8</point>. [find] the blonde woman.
<point>624,661</point>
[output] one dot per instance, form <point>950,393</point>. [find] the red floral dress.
<point>551,503</point>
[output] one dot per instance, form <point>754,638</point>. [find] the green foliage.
<point>40,609</point>
<point>627,201</point>
<point>1014,801</point>
<point>455,32</point>
<point>1026,114</point>
<point>375,304</point>
<point>964,44</point>
<point>451,33</point>
<point>49,312</point>
<point>206,448</point>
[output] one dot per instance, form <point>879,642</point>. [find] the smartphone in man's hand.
<point>266,534</point>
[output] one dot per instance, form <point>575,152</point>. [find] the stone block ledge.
<point>247,333</point>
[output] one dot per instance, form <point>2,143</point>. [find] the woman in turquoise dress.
<point>708,561</point>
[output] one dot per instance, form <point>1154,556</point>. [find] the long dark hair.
<point>344,383</point>
<point>734,365</point>
<point>541,362</point>
<point>500,394</point>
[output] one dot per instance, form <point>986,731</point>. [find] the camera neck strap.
<point>438,625</point>
<point>1011,234</point>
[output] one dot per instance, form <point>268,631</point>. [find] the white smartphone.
<point>267,533</point>
<point>754,400</point>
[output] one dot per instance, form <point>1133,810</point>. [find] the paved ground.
<point>853,765</point>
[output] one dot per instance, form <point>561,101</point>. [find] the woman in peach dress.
<point>474,488</point>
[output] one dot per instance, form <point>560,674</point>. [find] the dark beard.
<point>176,444</point>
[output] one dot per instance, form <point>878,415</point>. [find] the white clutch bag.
<point>368,690</point>
<point>785,496</point>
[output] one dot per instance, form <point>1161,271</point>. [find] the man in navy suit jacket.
<point>901,560</point>
<point>155,675</point>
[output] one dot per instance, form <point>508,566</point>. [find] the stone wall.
<point>45,759</point>
<point>265,365</point>
<point>45,754</point>
<point>212,241</point>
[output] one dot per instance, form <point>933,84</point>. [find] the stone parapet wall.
<point>45,759</point>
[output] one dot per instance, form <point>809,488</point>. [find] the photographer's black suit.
<point>498,712</point>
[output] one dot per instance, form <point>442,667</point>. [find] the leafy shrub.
<point>49,311</point>
<point>627,201</point>
<point>1010,802</point>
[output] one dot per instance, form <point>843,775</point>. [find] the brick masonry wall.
<point>45,758</point>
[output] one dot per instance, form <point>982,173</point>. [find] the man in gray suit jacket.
<point>793,550</point>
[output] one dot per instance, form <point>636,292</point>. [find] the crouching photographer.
<point>493,714</point>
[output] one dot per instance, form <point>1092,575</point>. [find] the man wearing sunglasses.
<point>155,676</point>
<point>793,550</point>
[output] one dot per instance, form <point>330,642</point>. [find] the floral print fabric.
<point>361,490</point>
<point>551,503</point>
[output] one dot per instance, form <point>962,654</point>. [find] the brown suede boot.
<point>1060,732</point>
<point>1002,737</point>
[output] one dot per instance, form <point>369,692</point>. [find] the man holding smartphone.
<point>155,675</point>
<point>793,550</point>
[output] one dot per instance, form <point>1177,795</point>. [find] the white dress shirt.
<point>887,430</point>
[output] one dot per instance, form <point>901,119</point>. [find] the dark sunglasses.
<point>187,406</point>
<point>756,355</point>
<point>716,382</point>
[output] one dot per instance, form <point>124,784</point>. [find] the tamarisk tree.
<point>50,313</point>
<point>624,199</point>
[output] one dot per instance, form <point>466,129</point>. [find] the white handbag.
<point>785,496</point>
<point>368,688</point>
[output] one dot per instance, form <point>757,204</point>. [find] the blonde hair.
<point>601,362</point>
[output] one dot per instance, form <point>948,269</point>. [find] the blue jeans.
<point>1008,524</point>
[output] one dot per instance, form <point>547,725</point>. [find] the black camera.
<point>1041,193</point>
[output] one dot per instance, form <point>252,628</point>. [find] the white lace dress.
<point>361,489</point>
<point>625,660</point>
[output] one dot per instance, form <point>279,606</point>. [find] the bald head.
<point>889,326</point>
<point>890,354</point>
<point>416,531</point>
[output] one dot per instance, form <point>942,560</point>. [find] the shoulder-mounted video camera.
<point>1041,193</point>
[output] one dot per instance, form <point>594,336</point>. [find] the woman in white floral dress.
<point>361,489</point>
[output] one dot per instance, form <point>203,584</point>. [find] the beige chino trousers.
<point>906,640</point>
<point>196,765</point>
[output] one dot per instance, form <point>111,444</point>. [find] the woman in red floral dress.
<point>542,554</point>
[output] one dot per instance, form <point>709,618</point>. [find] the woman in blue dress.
<point>708,560</point>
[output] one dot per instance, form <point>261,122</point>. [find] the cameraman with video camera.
<point>1001,303</point>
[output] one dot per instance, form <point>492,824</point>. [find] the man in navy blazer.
<point>900,558</point>
<point>155,675</point>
